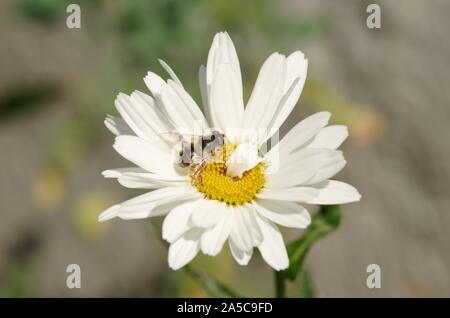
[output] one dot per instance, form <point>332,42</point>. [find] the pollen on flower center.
<point>215,184</point>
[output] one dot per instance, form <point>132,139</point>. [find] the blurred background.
<point>388,85</point>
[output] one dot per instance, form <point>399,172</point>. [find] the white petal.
<point>109,213</point>
<point>154,83</point>
<point>150,181</point>
<point>335,192</point>
<point>183,111</point>
<point>330,137</point>
<point>301,133</point>
<point>243,158</point>
<point>245,232</point>
<point>157,208</point>
<point>171,73</point>
<point>155,115</point>
<point>293,177</point>
<point>328,171</point>
<point>183,250</point>
<point>116,173</point>
<point>242,257</point>
<point>254,227</point>
<point>154,203</point>
<point>119,172</point>
<point>297,67</point>
<point>267,93</point>
<point>240,234</point>
<point>165,194</point>
<point>288,214</point>
<point>136,116</point>
<point>208,213</point>
<point>294,194</point>
<point>117,126</point>
<point>213,239</point>
<point>204,91</point>
<point>296,160</point>
<point>222,51</point>
<point>226,104</point>
<point>190,104</point>
<point>151,156</point>
<point>177,222</point>
<point>138,182</point>
<point>272,248</point>
<point>300,168</point>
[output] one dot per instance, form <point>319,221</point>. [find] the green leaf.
<point>211,285</point>
<point>323,223</point>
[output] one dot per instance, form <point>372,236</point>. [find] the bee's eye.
<point>218,138</point>
<point>185,155</point>
<point>205,140</point>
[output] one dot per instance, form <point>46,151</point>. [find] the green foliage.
<point>18,274</point>
<point>18,282</point>
<point>24,100</point>
<point>324,222</point>
<point>46,11</point>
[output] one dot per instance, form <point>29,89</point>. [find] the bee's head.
<point>185,154</point>
<point>218,138</point>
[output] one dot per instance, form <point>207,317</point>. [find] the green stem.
<point>210,284</point>
<point>280,285</point>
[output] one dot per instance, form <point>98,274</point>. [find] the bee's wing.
<point>171,137</point>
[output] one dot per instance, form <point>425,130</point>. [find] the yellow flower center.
<point>214,183</point>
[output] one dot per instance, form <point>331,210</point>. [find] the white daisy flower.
<point>234,193</point>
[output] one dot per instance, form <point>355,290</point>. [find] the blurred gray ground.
<point>401,223</point>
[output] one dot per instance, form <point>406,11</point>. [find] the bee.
<point>197,152</point>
